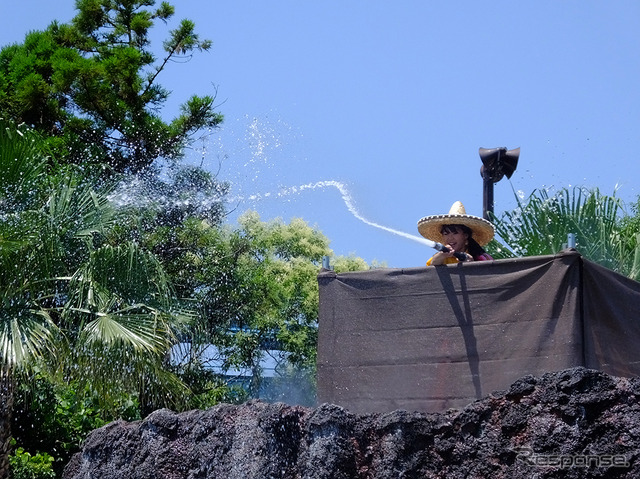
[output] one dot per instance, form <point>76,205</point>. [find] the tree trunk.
<point>6,413</point>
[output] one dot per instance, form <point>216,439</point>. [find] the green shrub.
<point>56,418</point>
<point>26,466</point>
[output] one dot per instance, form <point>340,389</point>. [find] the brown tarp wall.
<point>431,338</point>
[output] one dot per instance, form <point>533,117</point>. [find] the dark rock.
<point>576,423</point>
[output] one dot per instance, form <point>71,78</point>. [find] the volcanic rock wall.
<point>577,423</point>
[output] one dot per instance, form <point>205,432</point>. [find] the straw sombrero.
<point>430,226</point>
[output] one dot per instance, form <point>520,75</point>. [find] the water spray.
<point>350,204</point>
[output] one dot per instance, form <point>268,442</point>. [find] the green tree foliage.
<point>62,284</point>
<point>605,232</point>
<point>26,330</point>
<point>90,87</point>
<point>98,290</point>
<point>254,289</point>
<point>72,306</point>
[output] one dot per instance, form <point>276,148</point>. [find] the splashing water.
<point>266,138</point>
<point>348,201</point>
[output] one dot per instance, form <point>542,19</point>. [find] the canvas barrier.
<point>431,338</point>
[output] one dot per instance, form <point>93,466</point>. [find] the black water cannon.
<point>496,163</point>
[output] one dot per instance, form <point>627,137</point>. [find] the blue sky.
<point>391,101</point>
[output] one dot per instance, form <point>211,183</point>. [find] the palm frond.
<point>121,297</point>
<point>26,333</point>
<point>77,208</point>
<point>137,327</point>
<point>22,165</point>
<point>541,223</point>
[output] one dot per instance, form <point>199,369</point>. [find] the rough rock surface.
<point>576,423</point>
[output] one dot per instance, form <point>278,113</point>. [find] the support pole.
<point>487,197</point>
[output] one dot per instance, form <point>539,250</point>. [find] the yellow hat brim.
<point>430,226</point>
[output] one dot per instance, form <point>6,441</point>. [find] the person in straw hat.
<point>459,232</point>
